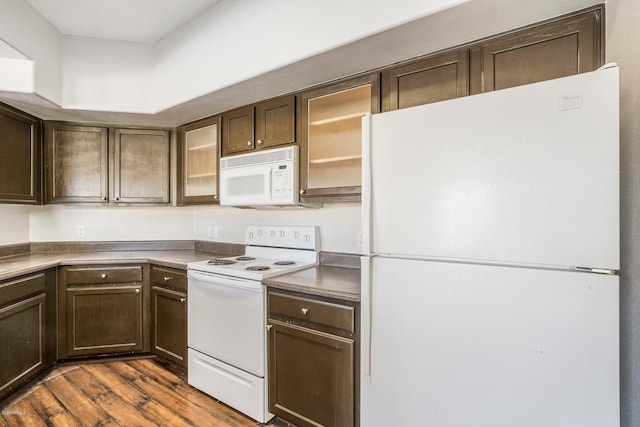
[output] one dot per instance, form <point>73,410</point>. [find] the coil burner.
<point>257,268</point>
<point>218,261</point>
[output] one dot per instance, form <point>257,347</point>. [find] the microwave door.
<point>245,186</point>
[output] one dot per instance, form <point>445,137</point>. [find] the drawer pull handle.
<point>183,299</point>
<point>167,278</point>
<point>305,311</point>
<point>103,275</point>
<point>137,291</point>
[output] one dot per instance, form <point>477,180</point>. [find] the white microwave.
<point>265,179</point>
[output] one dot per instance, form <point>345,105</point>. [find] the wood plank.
<point>140,392</point>
<point>116,384</point>
<point>75,401</point>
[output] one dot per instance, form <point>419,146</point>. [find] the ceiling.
<point>145,21</point>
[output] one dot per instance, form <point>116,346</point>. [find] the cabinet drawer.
<point>96,275</point>
<point>14,290</point>
<point>169,278</point>
<point>308,310</point>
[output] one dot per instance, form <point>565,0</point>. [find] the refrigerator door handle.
<point>366,296</point>
<point>366,186</point>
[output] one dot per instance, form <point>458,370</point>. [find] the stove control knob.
<point>251,234</point>
<point>282,234</point>
<point>273,233</point>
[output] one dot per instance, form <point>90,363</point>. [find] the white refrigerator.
<point>490,259</point>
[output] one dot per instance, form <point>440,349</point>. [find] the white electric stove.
<point>227,316</point>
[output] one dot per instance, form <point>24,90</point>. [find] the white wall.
<point>239,39</point>
<point>623,34</point>
<point>339,223</point>
<point>26,31</point>
<point>60,223</point>
<point>14,226</point>
<point>106,75</point>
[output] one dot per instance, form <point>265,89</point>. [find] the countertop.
<point>24,264</point>
<point>322,280</point>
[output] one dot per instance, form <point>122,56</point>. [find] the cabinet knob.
<point>269,327</point>
<point>104,199</point>
<point>260,142</point>
<point>216,197</point>
<point>137,291</point>
<point>103,275</point>
<point>183,299</point>
<point>304,311</point>
<point>249,143</point>
<point>303,191</point>
<point>116,199</point>
<point>167,278</point>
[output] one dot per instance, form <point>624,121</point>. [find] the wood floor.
<point>140,392</point>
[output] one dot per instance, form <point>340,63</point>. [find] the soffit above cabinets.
<point>145,21</point>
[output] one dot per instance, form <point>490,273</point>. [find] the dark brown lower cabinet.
<point>105,310</point>
<point>312,361</point>
<point>169,320</point>
<point>27,316</point>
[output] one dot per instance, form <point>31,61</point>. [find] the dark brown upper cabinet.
<point>141,166</point>
<point>559,48</point>
<point>20,165</point>
<point>265,125</point>
<point>76,163</point>
<point>84,166</point>
<point>198,153</point>
<point>437,78</point>
<point>330,137</point>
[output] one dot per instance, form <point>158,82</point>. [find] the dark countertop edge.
<point>310,290</point>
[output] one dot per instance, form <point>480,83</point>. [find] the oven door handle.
<point>214,280</point>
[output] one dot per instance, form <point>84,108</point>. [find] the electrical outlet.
<point>209,231</point>
<point>80,231</point>
<point>215,232</point>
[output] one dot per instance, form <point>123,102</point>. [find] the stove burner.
<point>257,268</point>
<point>284,263</point>
<point>245,258</point>
<point>218,261</point>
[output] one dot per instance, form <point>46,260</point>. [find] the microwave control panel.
<point>282,185</point>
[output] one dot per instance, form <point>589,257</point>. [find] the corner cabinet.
<point>103,165</point>
<point>103,310</point>
<point>330,137</point>
<point>169,314</point>
<point>265,125</point>
<point>27,328</point>
<point>20,163</point>
<point>312,360</point>
<point>198,153</point>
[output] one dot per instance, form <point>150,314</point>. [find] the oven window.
<point>245,185</point>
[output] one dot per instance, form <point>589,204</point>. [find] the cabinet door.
<point>19,157</point>
<point>198,152</point>
<point>237,131</point>
<point>141,166</point>
<point>556,49</point>
<point>22,334</point>
<point>76,163</point>
<point>311,376</point>
<point>169,325</point>
<point>427,80</point>
<point>276,122</point>
<point>104,319</point>
<point>331,138</point>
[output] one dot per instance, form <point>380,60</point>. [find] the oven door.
<point>226,320</point>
